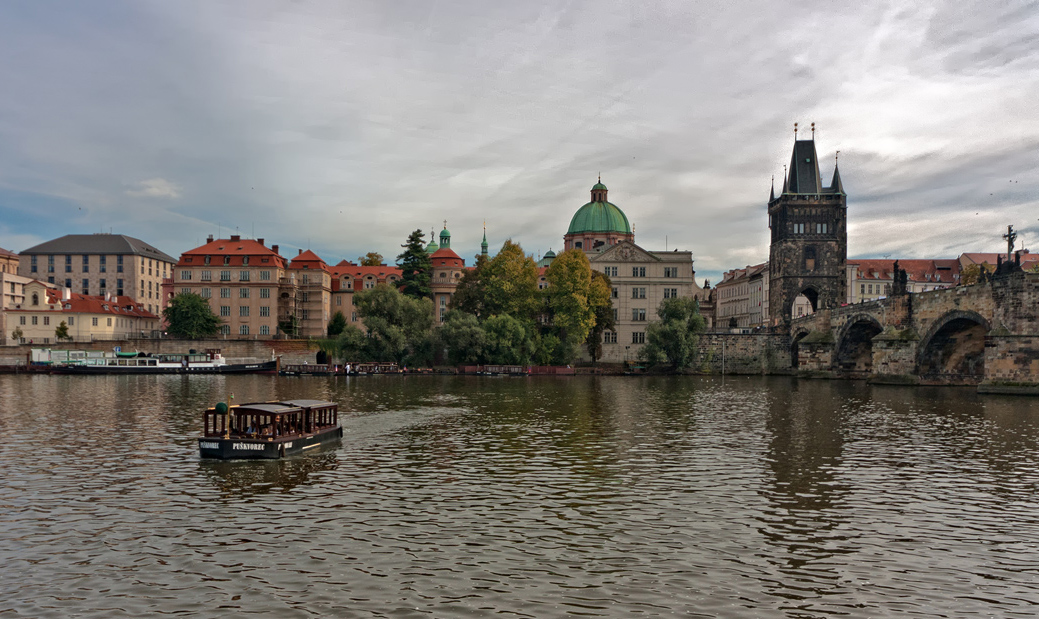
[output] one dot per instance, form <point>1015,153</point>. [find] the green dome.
<point>599,217</point>
<point>432,247</point>
<point>598,185</point>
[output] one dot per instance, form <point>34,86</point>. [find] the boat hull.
<point>264,449</point>
<point>269,367</point>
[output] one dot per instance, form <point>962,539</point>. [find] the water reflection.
<point>538,497</point>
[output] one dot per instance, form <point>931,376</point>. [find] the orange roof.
<point>308,260</point>
<point>941,270</point>
<point>86,304</point>
<point>234,247</point>
<point>991,259</point>
<point>445,256</point>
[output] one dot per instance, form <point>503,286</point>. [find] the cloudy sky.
<point>342,126</point>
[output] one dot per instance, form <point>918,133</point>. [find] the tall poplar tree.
<point>416,268</point>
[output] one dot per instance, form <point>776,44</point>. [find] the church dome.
<point>599,215</point>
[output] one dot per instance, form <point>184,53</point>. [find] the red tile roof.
<point>309,260</point>
<point>235,248</point>
<point>87,304</point>
<point>941,270</point>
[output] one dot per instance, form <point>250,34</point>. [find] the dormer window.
<point>206,260</point>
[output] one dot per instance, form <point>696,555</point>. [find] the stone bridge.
<point>986,334</point>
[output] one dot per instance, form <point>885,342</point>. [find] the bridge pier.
<point>894,357</point>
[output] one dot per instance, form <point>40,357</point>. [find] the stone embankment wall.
<point>290,351</point>
<point>758,352</point>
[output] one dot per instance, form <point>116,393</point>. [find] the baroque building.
<point>641,279</point>
<point>87,317</point>
<point>809,245</point>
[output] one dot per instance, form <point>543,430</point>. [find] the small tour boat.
<point>268,430</point>
<point>90,362</point>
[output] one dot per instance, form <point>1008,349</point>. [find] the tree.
<point>352,345</point>
<point>567,300</point>
<point>337,324</point>
<point>469,294</point>
<point>416,267</point>
<point>599,299</point>
<point>189,316</point>
<point>62,332</point>
<point>675,335</point>
<point>400,328</point>
<point>371,259</point>
<point>508,340</point>
<point>463,337</point>
<point>510,284</point>
<point>971,274</point>
<point>17,334</point>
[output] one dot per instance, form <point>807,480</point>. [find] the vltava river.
<point>522,497</point>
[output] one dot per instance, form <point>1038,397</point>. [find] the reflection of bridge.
<point>986,334</point>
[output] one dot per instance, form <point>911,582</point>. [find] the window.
<point>119,287</point>
<point>243,293</point>
<point>185,290</point>
<point>799,228</point>
<point>21,320</point>
<point>35,320</point>
<point>46,321</point>
<point>369,283</point>
<point>306,278</point>
<point>225,329</point>
<point>615,295</point>
<point>265,276</point>
<point>265,310</point>
<point>820,228</point>
<point>109,322</point>
<point>243,310</point>
<point>50,264</point>
<point>207,276</point>
<point>205,260</point>
<point>186,275</point>
<point>638,314</point>
<point>670,293</point>
<point>339,300</point>
<point>869,288</point>
<point>265,330</point>
<point>265,293</point>
<point>68,264</point>
<point>93,321</point>
<point>245,260</point>
<point>243,276</point>
<point>638,271</point>
<point>104,285</point>
<point>68,284</point>
<point>72,321</point>
<point>86,264</point>
<point>225,293</point>
<point>670,271</point>
<point>118,264</point>
<point>227,259</point>
<point>225,276</point>
<point>104,260</point>
<point>86,286</point>
<point>862,288</point>
<point>206,293</point>
<point>638,337</point>
<point>611,271</point>
<point>638,293</point>
<point>609,337</point>
<point>306,297</point>
<point>225,310</point>
<point>32,263</point>
<point>615,315</point>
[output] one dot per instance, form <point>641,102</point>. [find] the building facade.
<point>448,268</point>
<point>741,298</point>
<point>86,317</point>
<point>247,284</point>
<point>12,296</point>
<point>8,261</point>
<point>100,264</point>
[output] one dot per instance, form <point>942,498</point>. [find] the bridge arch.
<point>854,351</point>
<point>795,340</point>
<point>953,348</point>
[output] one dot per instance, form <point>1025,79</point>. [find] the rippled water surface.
<point>523,497</point>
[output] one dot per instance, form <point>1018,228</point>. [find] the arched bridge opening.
<point>953,349</point>
<point>854,353</point>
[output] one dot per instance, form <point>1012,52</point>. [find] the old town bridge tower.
<point>809,246</point>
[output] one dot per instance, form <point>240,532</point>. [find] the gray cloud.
<point>344,126</point>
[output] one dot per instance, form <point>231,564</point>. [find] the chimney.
<point>274,248</point>
<point>235,238</point>
<point>300,252</point>
<point>209,239</point>
<point>260,241</point>
<point>66,294</point>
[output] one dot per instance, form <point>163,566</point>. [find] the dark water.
<point>513,497</point>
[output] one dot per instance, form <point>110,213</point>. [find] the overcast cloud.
<point>343,126</point>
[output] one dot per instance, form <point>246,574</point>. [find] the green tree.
<point>371,259</point>
<point>17,334</point>
<point>416,267</point>
<point>352,345</point>
<point>62,332</point>
<point>189,316</point>
<point>508,340</point>
<point>463,337</point>
<point>675,335</point>
<point>400,328</point>
<point>336,324</point>
<point>510,284</point>
<point>600,300</point>
<point>567,300</point>
<point>971,274</point>
<point>469,294</point>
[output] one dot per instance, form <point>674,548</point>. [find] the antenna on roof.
<point>795,132</point>
<point>836,155</point>
<point>813,131</point>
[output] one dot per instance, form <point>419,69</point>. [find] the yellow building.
<point>87,318</point>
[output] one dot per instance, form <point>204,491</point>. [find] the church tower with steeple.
<point>808,253</point>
